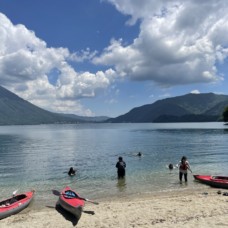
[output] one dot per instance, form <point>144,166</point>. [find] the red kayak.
<point>213,181</point>
<point>15,204</point>
<point>71,202</point>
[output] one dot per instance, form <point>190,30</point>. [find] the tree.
<point>225,114</point>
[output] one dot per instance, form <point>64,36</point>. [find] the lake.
<point>38,157</point>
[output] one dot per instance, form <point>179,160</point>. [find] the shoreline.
<point>188,207</point>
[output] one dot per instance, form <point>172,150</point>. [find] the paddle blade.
<point>56,192</point>
<point>14,193</point>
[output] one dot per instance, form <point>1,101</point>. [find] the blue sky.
<point>105,57</point>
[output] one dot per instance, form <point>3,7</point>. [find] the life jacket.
<point>184,165</point>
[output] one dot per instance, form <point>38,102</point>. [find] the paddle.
<point>14,193</point>
<point>57,193</point>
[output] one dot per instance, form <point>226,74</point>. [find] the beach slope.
<point>173,209</point>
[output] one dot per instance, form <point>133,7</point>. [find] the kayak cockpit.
<point>12,200</point>
<point>222,178</point>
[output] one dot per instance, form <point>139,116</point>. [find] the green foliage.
<point>225,114</point>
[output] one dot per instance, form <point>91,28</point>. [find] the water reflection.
<point>121,184</point>
<point>225,130</point>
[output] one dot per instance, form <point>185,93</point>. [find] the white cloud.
<point>82,55</point>
<point>179,42</point>
<point>26,64</point>
<point>111,101</point>
<point>165,95</point>
<point>196,91</point>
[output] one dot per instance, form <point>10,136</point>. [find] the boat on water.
<point>71,202</point>
<point>213,181</point>
<point>15,204</point>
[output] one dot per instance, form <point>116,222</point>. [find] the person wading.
<point>121,165</point>
<point>183,169</point>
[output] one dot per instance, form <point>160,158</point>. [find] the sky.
<point>105,57</point>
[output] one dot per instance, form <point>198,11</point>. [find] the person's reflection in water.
<point>121,184</point>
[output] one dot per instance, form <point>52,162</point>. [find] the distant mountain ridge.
<point>16,111</point>
<point>93,119</point>
<point>187,108</point>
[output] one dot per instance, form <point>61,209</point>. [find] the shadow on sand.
<point>67,215</point>
<point>89,212</point>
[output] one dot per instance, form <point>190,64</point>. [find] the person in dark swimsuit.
<point>121,165</point>
<point>71,171</point>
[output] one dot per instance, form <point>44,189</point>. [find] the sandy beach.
<point>173,209</point>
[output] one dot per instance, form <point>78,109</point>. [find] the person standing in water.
<point>183,169</point>
<point>121,165</point>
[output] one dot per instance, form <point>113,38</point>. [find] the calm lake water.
<point>38,157</point>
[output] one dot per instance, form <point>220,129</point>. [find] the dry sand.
<point>175,209</point>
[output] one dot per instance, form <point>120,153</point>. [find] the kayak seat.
<point>20,197</point>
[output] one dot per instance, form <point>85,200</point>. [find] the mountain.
<point>93,119</point>
<point>16,111</point>
<point>187,108</point>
